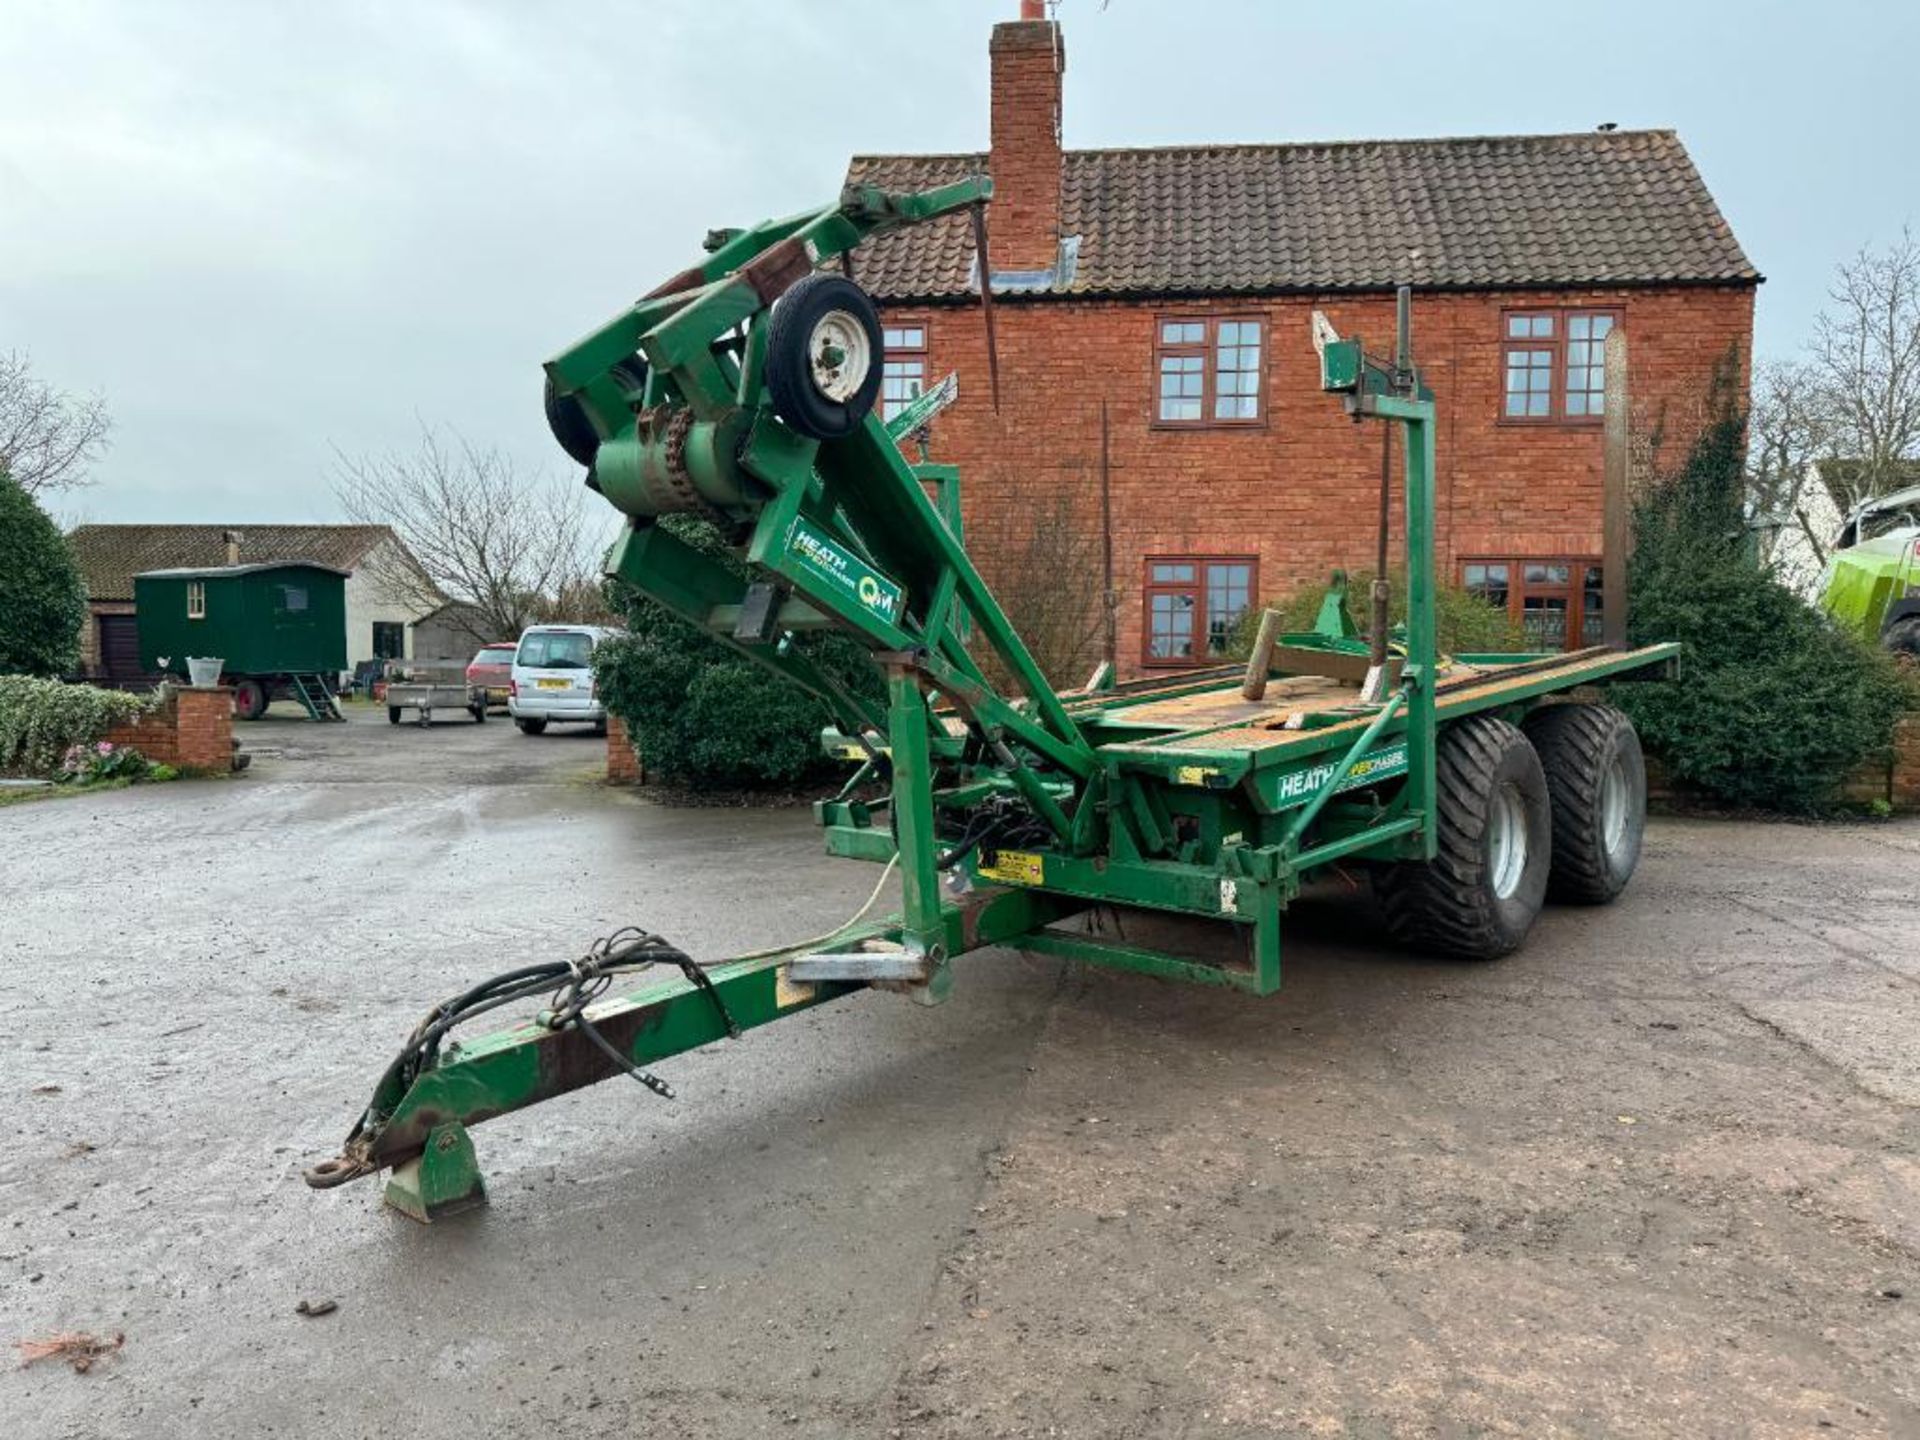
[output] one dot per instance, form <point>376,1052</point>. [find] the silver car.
<point>552,678</point>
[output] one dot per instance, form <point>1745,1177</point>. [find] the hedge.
<point>1775,704</point>
<point>41,719</point>
<point>704,715</point>
<point>42,602</point>
<point>1466,624</point>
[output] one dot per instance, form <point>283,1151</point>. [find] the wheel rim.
<point>839,355</point>
<point>1613,806</point>
<point>1507,840</point>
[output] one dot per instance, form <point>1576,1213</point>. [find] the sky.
<point>272,232</point>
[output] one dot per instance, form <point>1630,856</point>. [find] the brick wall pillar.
<point>205,729</point>
<point>191,729</point>
<point>623,760</point>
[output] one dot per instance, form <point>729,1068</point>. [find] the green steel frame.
<point>1115,797</point>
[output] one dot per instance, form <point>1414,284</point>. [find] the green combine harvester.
<point>1872,584</point>
<point>742,391</point>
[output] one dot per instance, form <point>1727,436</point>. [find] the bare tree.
<point>1044,558</point>
<point>48,438</point>
<point>1791,428</point>
<point>479,529</point>
<point>1866,353</point>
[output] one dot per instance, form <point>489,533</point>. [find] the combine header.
<point>742,391</point>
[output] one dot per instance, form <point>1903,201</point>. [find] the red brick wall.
<point>1300,490</point>
<point>1893,778</point>
<point>192,729</point>
<point>623,761</point>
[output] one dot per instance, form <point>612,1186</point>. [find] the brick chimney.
<point>1029,57</point>
<point>233,539</point>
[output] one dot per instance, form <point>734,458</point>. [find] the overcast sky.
<point>267,229</point>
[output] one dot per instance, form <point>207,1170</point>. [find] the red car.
<point>493,668</point>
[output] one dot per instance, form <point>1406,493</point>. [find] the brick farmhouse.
<point>1164,295</point>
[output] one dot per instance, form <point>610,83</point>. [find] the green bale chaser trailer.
<point>279,630</point>
<point>742,391</point>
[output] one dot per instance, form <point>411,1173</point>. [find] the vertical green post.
<point>1266,938</point>
<point>1422,630</point>
<point>923,926</point>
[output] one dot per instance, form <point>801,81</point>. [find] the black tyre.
<point>1903,637</point>
<point>393,714</point>
<point>568,420</point>
<point>532,727</point>
<point>479,710</point>
<point>570,426</point>
<point>1479,895</point>
<point>1597,785</point>
<point>249,700</point>
<point>824,348</point>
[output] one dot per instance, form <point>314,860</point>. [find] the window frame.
<point>1197,587</point>
<point>922,353</point>
<point>392,627</point>
<point>1207,348</point>
<point>1557,392</point>
<point>1519,588</point>
<point>196,599</point>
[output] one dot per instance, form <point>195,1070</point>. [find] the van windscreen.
<point>557,651</point>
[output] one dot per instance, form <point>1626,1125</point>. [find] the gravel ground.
<point>1658,1175</point>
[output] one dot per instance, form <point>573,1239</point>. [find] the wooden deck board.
<point>1469,691</point>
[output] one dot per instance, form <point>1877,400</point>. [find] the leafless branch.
<point>48,438</point>
<point>1045,561</point>
<point>476,528</point>
<point>1866,353</point>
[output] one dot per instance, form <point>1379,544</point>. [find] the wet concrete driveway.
<point>1660,1174</point>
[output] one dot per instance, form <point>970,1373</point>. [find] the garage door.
<point>119,647</point>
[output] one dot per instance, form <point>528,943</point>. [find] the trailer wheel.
<point>824,347</point>
<point>568,420</point>
<point>1477,898</point>
<point>249,700</point>
<point>1597,783</point>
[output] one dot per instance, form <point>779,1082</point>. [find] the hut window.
<point>293,598</point>
<point>196,600</point>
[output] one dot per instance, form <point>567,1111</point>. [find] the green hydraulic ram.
<point>742,392</point>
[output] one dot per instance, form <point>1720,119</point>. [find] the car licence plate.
<point>554,684</point>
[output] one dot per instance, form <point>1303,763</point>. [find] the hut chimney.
<point>233,539</point>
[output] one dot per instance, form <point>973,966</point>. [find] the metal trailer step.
<point>311,691</point>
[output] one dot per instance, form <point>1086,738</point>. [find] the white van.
<point>552,678</point>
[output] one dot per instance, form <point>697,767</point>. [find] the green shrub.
<point>703,714</point>
<point>42,603</point>
<point>1466,623</point>
<point>41,720</point>
<point>1775,704</point>
<point>101,760</point>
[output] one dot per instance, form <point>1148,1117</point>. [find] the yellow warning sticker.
<point>788,992</point>
<point>1193,775</point>
<point>1015,867</point>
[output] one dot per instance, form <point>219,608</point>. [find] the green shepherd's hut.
<point>277,629</point>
